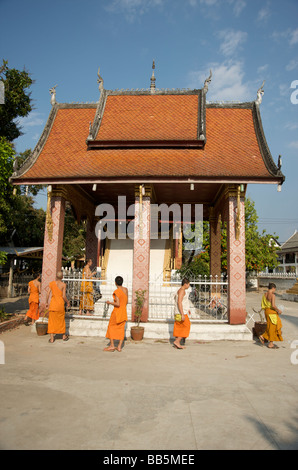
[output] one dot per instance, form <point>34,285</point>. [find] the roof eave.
<point>30,161</point>
<point>148,179</point>
<point>273,170</point>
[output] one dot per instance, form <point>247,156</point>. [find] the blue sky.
<point>243,41</point>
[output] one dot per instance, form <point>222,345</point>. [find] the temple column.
<point>235,213</point>
<point>53,240</point>
<point>92,244</point>
<point>141,249</point>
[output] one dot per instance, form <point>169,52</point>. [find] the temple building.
<point>143,148</point>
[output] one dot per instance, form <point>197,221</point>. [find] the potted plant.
<point>260,326</point>
<point>137,332</point>
<point>42,323</point>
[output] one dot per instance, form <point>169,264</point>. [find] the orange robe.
<point>33,311</point>
<point>118,317</point>
<point>56,323</point>
<point>86,299</point>
<point>274,325</point>
<point>182,328</point>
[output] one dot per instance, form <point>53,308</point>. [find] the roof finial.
<point>152,84</point>
<point>99,81</point>
<point>207,81</point>
<point>260,93</point>
<point>53,95</point>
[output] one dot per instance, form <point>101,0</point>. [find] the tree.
<point>17,100</point>
<point>74,236</point>
<point>259,251</point>
<point>20,222</point>
<point>7,156</point>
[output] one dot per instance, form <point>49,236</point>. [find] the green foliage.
<point>17,213</point>
<point>17,100</point>
<point>139,300</point>
<point>74,236</point>
<point>7,157</point>
<point>198,267</point>
<point>3,314</point>
<point>20,222</point>
<point>3,258</point>
<point>259,252</point>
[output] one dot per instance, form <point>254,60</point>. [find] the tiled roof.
<point>149,117</point>
<point>235,145</point>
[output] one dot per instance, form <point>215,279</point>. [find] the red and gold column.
<point>53,239</point>
<point>235,216</point>
<point>141,250</point>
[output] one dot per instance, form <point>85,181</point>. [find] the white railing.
<point>207,297</point>
<point>278,275</point>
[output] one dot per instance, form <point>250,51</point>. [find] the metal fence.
<point>207,296</point>
<point>19,286</point>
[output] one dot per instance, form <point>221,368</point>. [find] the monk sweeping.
<point>274,325</point>
<point>182,322</point>
<point>118,317</point>
<point>56,323</point>
<point>33,291</point>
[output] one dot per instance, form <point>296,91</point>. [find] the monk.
<point>274,325</point>
<point>56,323</point>
<point>118,317</point>
<point>86,300</point>
<point>33,291</point>
<point>182,327</point>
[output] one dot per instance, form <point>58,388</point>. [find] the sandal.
<point>66,338</point>
<point>52,341</point>
<point>108,349</point>
<point>273,347</point>
<point>177,347</point>
<point>262,340</point>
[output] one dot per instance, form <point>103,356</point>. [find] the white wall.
<point>121,258</point>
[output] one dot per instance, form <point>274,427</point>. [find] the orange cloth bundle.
<point>182,328</point>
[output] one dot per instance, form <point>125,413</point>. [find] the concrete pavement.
<point>212,395</point>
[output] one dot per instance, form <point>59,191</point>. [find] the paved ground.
<point>212,395</point>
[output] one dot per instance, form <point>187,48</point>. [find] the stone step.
<point>77,325</point>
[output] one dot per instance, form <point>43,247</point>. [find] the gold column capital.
<point>145,190</point>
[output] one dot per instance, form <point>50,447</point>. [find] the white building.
<point>288,256</point>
